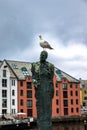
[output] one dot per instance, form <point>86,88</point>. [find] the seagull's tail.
<point>51,48</point>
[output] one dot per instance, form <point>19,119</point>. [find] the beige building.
<point>84,92</point>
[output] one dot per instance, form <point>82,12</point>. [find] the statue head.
<point>43,56</point>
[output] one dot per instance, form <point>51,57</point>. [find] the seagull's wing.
<point>47,45</point>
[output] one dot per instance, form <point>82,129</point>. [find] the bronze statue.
<point>42,78</point>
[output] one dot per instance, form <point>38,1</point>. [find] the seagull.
<point>44,44</point>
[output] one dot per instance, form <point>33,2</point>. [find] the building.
<point>84,92</point>
<point>8,89</point>
<point>67,95</point>
<point>81,103</point>
<point>18,77</point>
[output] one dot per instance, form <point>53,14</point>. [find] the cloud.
<point>71,58</point>
<point>62,23</point>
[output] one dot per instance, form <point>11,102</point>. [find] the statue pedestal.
<point>45,127</point>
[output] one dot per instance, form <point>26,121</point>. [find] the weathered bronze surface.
<point>42,77</point>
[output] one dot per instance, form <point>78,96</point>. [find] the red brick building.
<point>66,99</point>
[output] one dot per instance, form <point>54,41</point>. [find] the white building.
<point>8,89</point>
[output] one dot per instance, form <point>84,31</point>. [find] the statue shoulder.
<point>35,64</point>
<point>50,65</point>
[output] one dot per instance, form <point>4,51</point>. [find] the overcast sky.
<point>63,23</point>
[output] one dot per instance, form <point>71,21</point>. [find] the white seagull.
<point>44,44</point>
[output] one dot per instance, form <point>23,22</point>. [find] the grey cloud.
<point>21,20</point>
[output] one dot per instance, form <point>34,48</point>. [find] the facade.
<point>8,90</point>
<point>26,98</point>
<point>66,101</point>
<point>84,92</point>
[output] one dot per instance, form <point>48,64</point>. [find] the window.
<point>13,92</point>
<point>24,71</point>
<point>4,73</point>
<point>29,85</point>
<point>4,103</point>
<point>71,93</point>
<point>65,102</point>
<point>65,111</point>
<point>13,111</point>
<point>21,110</point>
<point>64,86</point>
<point>65,94</point>
<point>4,82</point>
<point>70,85</point>
<point>13,82</point>
<point>72,101</point>
<point>84,91</point>
<point>29,112</point>
<point>29,103</point>
<point>21,92</point>
<point>76,101</point>
<point>72,109</point>
<point>76,85</point>
<point>57,110</point>
<point>21,83</point>
<point>21,102</point>
<point>85,98</point>
<point>29,94</point>
<point>57,101</point>
<point>4,93</point>
<point>84,104</point>
<point>13,102</point>
<point>77,109</point>
<point>57,93</point>
<point>56,84</point>
<point>76,92</point>
<point>4,111</point>
<point>14,66</point>
<point>83,85</point>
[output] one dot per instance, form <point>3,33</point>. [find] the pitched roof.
<point>21,69</point>
<point>0,62</point>
<point>60,74</point>
<point>83,83</point>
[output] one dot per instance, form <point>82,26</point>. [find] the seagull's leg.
<point>44,49</point>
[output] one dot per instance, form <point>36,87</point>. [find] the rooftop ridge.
<point>19,61</point>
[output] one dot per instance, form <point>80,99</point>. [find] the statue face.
<point>43,56</point>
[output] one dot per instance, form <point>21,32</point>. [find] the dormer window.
<point>24,71</point>
<point>14,66</point>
